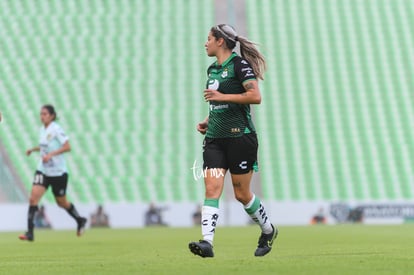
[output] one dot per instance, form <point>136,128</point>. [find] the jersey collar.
<point>233,54</point>
<point>51,123</point>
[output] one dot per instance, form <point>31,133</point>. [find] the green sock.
<point>211,202</point>
<point>256,211</point>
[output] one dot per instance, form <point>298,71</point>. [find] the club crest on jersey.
<point>213,84</point>
<point>225,73</point>
<point>49,137</point>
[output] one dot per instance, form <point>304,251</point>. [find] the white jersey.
<point>52,138</point>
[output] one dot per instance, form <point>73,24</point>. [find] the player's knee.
<point>242,197</point>
<point>212,191</point>
<point>33,200</point>
<point>61,203</point>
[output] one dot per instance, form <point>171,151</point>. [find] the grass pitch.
<point>346,249</point>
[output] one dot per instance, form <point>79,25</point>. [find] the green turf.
<point>347,249</point>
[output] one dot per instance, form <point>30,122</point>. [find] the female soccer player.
<point>53,143</point>
<point>231,142</point>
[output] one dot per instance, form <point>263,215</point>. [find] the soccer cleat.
<point>202,248</point>
<point>81,226</point>
<point>266,242</point>
<point>27,237</point>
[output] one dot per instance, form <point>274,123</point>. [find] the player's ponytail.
<point>248,49</point>
<point>51,110</point>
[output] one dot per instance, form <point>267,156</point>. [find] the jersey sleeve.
<point>243,70</point>
<point>61,136</point>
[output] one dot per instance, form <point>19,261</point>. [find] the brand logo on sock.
<point>262,212</point>
<point>214,219</point>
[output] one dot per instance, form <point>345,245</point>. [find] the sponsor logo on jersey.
<point>213,84</point>
<point>218,107</point>
<point>235,130</point>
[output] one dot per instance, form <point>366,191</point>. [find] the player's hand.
<point>202,127</point>
<point>28,152</point>
<point>213,95</point>
<point>46,158</point>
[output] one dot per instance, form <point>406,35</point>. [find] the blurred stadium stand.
<point>126,77</point>
<point>11,187</point>
<point>336,122</point>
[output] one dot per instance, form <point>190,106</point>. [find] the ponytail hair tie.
<point>236,38</point>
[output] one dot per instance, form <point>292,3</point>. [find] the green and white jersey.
<point>52,138</point>
<point>229,119</point>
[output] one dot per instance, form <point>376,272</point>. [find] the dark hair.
<point>51,110</point>
<point>248,48</point>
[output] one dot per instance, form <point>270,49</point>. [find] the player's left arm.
<point>251,95</point>
<point>64,140</point>
<point>63,149</point>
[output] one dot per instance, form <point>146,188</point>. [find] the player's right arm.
<point>31,150</point>
<point>202,126</point>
